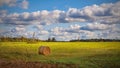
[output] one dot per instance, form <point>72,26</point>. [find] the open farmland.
<point>84,54</point>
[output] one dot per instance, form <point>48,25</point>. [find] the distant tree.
<point>22,39</point>
<point>53,39</point>
<point>49,39</point>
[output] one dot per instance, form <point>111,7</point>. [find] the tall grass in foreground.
<point>86,54</point>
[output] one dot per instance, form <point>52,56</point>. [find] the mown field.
<point>84,54</point>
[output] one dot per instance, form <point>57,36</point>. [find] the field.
<point>83,54</point>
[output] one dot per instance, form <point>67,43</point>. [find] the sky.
<point>62,19</point>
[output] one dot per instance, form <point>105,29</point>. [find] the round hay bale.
<point>44,50</point>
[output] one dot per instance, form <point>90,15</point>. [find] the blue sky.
<point>62,19</point>
<point>35,5</point>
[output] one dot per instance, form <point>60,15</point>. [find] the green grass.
<point>86,54</point>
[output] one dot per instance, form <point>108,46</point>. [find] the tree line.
<point>53,39</point>
<point>17,39</point>
<point>24,39</point>
<point>96,40</point>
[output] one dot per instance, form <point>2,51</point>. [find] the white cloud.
<point>8,2</point>
<point>38,27</point>
<point>18,29</point>
<point>13,3</point>
<point>76,26</point>
<point>72,32</point>
<point>43,32</point>
<point>96,27</point>
<point>24,4</point>
<point>91,30</point>
<point>25,15</point>
<point>3,13</point>
<point>104,13</point>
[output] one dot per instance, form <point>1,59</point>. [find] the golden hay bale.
<point>44,50</point>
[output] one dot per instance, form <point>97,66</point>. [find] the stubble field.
<point>79,54</point>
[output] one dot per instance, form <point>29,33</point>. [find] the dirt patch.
<point>21,64</point>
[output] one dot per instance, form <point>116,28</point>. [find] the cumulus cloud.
<point>12,3</point>
<point>8,2</point>
<point>19,28</point>
<point>96,27</point>
<point>72,32</point>
<point>38,27</point>
<point>24,4</point>
<point>43,32</point>
<point>104,13</point>
<point>90,30</point>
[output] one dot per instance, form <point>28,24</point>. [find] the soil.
<point>21,64</point>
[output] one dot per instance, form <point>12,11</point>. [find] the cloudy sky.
<point>62,19</point>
